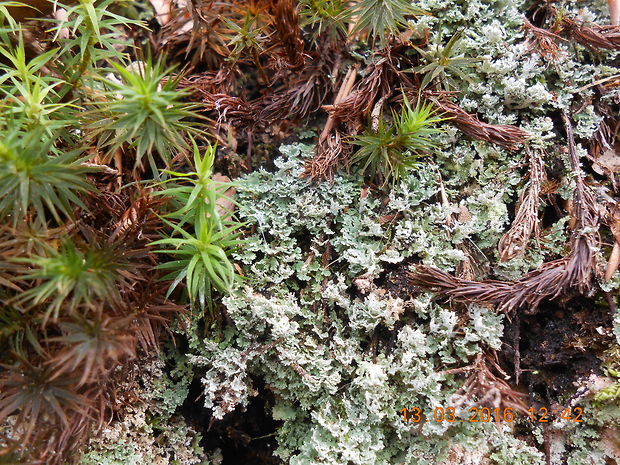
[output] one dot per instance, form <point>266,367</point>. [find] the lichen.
<point>148,430</point>
<point>304,324</point>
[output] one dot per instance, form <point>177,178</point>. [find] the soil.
<point>558,346</point>
<point>244,436</point>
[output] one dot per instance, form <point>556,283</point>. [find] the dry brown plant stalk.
<point>614,259</point>
<point>613,262</point>
<point>514,242</point>
<point>542,41</point>
<point>343,91</point>
<point>358,103</point>
<point>505,135</point>
<point>556,279</point>
<point>288,33</point>
<point>331,149</point>
<point>614,11</point>
<point>590,35</point>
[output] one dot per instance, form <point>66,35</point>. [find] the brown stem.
<point>345,89</point>
<point>614,12</point>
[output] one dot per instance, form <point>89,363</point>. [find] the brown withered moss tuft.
<point>557,279</point>
<point>542,41</point>
<point>486,389</point>
<point>592,36</point>
<point>331,153</point>
<point>526,223</point>
<point>505,135</point>
<point>287,38</point>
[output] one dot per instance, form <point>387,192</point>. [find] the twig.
<point>345,90</point>
<point>556,279</point>
<point>514,242</point>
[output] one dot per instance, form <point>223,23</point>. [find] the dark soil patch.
<point>396,282</point>
<point>244,436</point>
<point>559,345</point>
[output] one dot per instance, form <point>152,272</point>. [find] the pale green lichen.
<point>318,321</point>
<point>305,328</point>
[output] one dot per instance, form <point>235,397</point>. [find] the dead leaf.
<point>608,161</point>
<point>388,218</point>
<point>61,15</point>
<point>365,282</point>
<point>464,215</point>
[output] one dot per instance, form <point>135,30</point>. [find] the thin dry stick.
<point>505,135</point>
<point>597,82</point>
<point>514,242</point>
<point>345,89</point>
<point>556,279</point>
